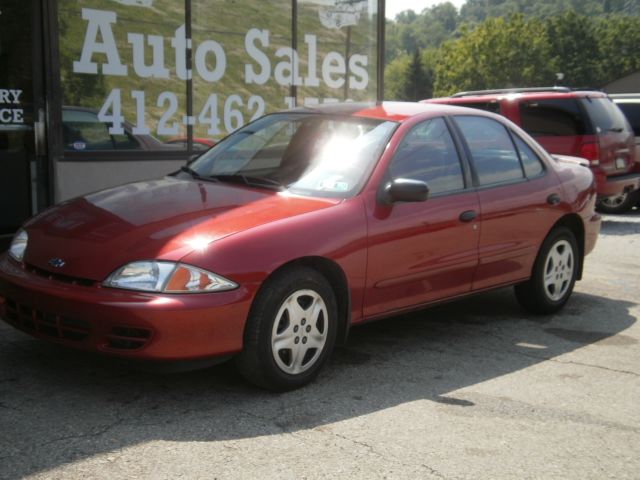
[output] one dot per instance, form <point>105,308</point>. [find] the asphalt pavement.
<point>477,389</point>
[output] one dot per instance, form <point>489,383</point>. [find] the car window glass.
<point>553,117</point>
<point>605,116</point>
<point>492,151</point>
<point>83,131</point>
<point>530,161</point>
<point>427,153</point>
<point>632,112</point>
<point>493,107</point>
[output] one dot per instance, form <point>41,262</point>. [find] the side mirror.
<point>404,190</point>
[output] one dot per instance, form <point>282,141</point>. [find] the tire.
<point>554,274</point>
<point>291,330</point>
<point>618,203</point>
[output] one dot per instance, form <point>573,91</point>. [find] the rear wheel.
<point>554,274</point>
<point>620,203</point>
<point>291,330</point>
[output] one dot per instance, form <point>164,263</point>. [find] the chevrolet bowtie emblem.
<point>57,262</point>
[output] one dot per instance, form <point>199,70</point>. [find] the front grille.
<point>49,324</point>
<point>128,338</point>
<point>85,282</point>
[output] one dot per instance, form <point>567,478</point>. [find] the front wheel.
<point>291,330</point>
<point>554,274</point>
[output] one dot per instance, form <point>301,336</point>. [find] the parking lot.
<point>468,390</point>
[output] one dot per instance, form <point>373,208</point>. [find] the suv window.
<point>553,117</point>
<point>493,107</point>
<point>493,153</point>
<point>632,112</point>
<point>428,153</point>
<point>605,116</point>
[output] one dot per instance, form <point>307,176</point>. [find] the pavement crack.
<point>385,456</point>
<point>93,434</point>
<point>571,362</point>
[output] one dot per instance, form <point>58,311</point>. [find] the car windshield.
<point>304,153</point>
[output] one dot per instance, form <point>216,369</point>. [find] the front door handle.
<point>468,216</point>
<point>553,199</point>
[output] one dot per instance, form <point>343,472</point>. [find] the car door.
<point>519,200</point>
<point>423,251</point>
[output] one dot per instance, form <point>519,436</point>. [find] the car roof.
<point>391,111</point>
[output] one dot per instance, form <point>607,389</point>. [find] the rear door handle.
<point>468,216</point>
<point>553,199</point>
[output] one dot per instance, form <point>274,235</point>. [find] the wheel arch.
<point>574,223</point>
<point>337,279</point>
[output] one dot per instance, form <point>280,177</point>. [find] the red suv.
<point>571,122</point>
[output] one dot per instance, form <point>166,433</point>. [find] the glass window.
<point>428,153</point>
<point>306,154</point>
<point>123,64</point>
<point>553,117</point>
<point>494,157</point>
<point>605,116</point>
<point>530,161</point>
<point>493,107</point>
<point>632,112</point>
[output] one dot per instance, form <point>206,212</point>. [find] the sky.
<point>393,7</point>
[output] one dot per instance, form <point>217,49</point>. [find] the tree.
<point>619,38</point>
<point>575,49</point>
<point>406,78</point>
<point>499,53</point>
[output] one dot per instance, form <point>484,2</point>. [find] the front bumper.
<point>120,322</point>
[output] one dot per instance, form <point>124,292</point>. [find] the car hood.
<point>163,219</point>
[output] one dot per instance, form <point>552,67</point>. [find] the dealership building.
<point>96,93</point>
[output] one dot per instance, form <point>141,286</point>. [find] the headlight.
<point>19,245</point>
<point>167,277</point>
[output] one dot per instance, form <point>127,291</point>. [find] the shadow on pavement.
<point>58,406</point>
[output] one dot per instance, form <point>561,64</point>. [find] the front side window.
<point>303,153</point>
<point>632,112</point>
<point>493,154</point>
<point>427,153</point>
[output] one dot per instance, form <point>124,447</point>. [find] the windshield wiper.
<point>251,181</point>
<point>194,174</point>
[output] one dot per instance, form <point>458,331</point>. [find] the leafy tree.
<point>619,40</point>
<point>501,52</point>
<point>575,49</point>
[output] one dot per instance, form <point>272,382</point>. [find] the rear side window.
<point>605,116</point>
<point>494,156</point>
<point>554,117</point>
<point>427,153</point>
<point>632,112</point>
<point>530,161</point>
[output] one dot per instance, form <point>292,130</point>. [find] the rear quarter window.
<point>554,117</point>
<point>493,107</point>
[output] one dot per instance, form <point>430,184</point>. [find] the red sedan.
<point>301,224</point>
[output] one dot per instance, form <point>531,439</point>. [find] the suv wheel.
<point>618,203</point>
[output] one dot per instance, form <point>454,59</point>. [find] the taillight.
<point>591,151</point>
